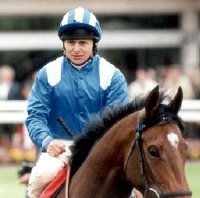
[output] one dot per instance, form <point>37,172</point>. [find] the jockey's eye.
<point>153,151</point>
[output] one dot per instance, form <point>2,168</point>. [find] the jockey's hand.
<point>56,147</point>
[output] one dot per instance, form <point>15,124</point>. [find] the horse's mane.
<point>99,125</point>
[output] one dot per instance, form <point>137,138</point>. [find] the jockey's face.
<point>78,51</point>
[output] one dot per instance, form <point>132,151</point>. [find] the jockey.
<point>74,87</point>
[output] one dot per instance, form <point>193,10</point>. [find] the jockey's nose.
<point>76,47</point>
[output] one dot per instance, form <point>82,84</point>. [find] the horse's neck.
<point>99,183</point>
<point>100,175</point>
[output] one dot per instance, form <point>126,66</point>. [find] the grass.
<point>10,188</point>
<point>193,175</point>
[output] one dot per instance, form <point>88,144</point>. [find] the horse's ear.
<point>175,104</point>
<point>152,102</point>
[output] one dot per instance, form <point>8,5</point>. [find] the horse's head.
<point>160,148</point>
<point>136,145</point>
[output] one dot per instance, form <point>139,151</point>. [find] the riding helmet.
<point>79,24</point>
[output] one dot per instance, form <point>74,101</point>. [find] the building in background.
<point>148,33</point>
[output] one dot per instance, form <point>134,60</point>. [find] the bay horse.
<point>138,145</point>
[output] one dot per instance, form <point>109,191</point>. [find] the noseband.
<point>160,116</point>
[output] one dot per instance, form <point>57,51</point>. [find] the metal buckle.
<point>151,192</point>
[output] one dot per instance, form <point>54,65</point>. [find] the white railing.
<point>190,111</point>
<point>14,111</point>
<point>111,39</point>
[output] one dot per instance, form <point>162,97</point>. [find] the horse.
<point>135,146</point>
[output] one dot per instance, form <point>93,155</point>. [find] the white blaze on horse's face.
<point>173,139</point>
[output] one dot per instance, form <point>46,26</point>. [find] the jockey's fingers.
<point>58,143</point>
<point>55,150</point>
<point>60,148</point>
<point>53,153</point>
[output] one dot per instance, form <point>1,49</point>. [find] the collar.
<point>79,67</point>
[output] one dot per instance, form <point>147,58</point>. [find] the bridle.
<point>160,116</point>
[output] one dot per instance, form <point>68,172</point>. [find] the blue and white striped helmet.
<point>80,18</point>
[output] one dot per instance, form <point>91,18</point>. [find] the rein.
<point>160,116</point>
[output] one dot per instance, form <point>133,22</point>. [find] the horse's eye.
<point>153,151</point>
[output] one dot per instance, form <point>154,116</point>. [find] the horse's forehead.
<point>163,132</point>
<point>173,139</point>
